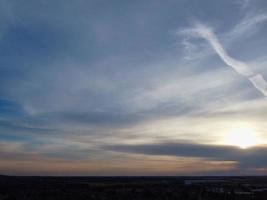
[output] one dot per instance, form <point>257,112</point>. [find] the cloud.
<point>252,157</point>
<point>244,3</point>
<point>249,24</point>
<point>259,83</point>
<point>205,32</point>
<point>84,76</point>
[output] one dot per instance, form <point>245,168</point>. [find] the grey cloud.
<point>252,157</point>
<point>9,126</point>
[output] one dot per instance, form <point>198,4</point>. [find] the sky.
<point>114,88</point>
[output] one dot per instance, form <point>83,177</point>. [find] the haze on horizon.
<point>174,87</point>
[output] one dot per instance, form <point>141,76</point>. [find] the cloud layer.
<point>82,81</point>
<point>250,158</point>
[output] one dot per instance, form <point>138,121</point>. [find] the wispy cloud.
<point>244,3</point>
<point>248,25</point>
<point>205,32</point>
<point>245,28</point>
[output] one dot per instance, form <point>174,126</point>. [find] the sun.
<point>243,137</point>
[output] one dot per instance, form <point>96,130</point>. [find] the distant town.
<point>133,188</point>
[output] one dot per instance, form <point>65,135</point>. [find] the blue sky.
<point>124,87</point>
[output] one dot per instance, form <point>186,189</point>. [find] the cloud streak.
<point>253,157</point>
<point>205,32</point>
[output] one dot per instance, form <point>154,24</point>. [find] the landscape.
<point>139,188</point>
<point>133,99</point>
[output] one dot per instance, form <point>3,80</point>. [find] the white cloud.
<point>205,32</point>
<point>248,25</point>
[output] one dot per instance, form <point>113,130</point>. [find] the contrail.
<point>242,68</point>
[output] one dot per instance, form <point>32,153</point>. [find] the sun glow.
<point>243,137</point>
